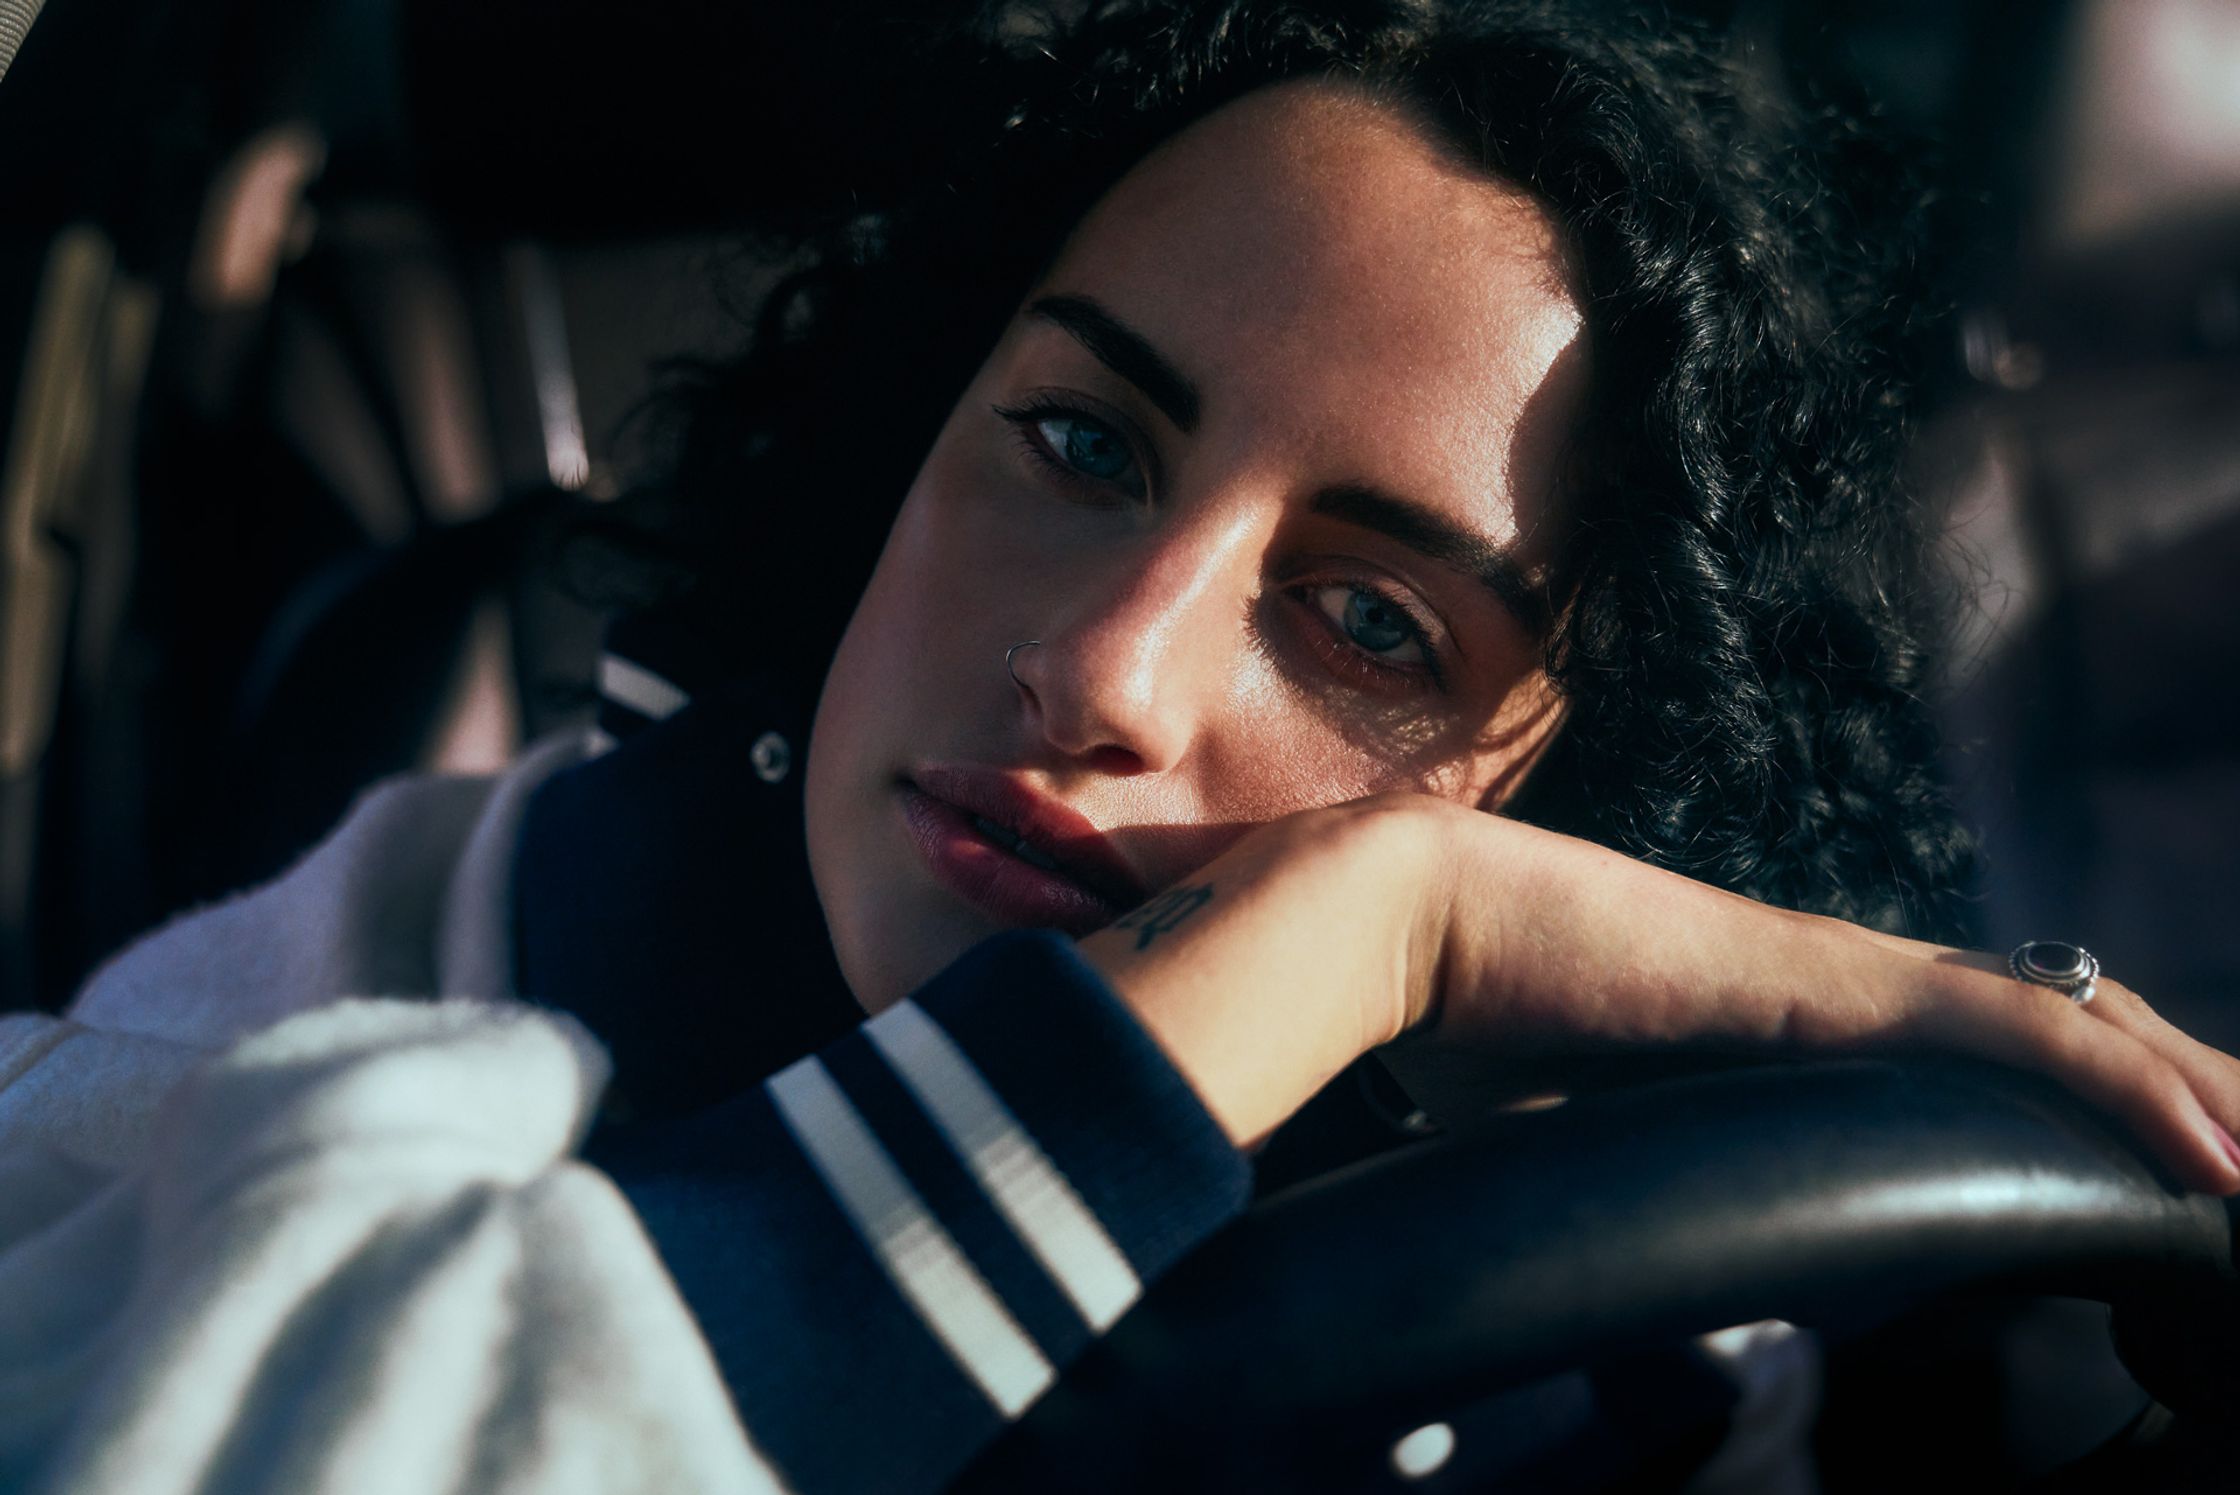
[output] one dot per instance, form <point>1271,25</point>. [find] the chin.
<point>887,948</point>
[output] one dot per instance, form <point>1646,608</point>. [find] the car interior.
<point>321,324</point>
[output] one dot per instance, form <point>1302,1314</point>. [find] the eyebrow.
<point>1443,541</point>
<point>1126,352</point>
<point>1130,354</point>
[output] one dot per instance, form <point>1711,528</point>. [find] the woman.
<point>1394,414</point>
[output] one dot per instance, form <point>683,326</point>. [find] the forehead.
<point>1328,274</point>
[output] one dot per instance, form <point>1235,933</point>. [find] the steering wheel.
<point>1293,1349</point>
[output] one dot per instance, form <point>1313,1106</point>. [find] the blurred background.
<point>318,317</point>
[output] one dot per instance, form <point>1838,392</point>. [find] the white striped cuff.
<point>918,1255</point>
<point>1050,1219</point>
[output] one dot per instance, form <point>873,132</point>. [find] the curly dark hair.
<point>1742,604</point>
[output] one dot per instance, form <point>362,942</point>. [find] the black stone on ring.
<point>2068,969</point>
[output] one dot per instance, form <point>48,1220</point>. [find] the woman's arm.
<point>1330,932</point>
<point>894,1245</point>
<point>354,1250</point>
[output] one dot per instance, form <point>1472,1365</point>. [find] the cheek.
<point>1509,747</point>
<point>1274,750</point>
<point>884,695</point>
<point>1278,752</point>
<point>875,658</point>
<point>880,707</point>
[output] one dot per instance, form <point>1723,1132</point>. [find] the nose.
<point>1135,648</point>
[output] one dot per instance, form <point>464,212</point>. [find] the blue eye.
<point>1377,635</point>
<point>1093,455</point>
<point>1374,623</point>
<point>1087,446</point>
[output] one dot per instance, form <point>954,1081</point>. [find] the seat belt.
<point>16,17</point>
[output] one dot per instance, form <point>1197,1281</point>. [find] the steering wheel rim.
<point>1357,1305</point>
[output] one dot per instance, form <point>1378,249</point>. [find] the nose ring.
<point>1009,668</point>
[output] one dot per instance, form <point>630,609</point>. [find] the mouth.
<point>1017,845</point>
<point>1026,859</point>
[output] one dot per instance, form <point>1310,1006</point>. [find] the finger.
<point>2110,1067</point>
<point>2213,1074</point>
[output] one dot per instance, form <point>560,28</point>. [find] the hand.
<point>1329,932</point>
<point>1589,953</point>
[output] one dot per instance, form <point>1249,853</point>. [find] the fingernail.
<point>2231,1148</point>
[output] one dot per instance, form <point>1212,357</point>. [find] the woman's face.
<point>1265,465</point>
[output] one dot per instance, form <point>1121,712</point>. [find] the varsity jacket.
<point>297,1195</point>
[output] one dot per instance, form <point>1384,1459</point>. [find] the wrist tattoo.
<point>1164,912</point>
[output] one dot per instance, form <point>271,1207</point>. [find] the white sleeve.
<point>353,1253</point>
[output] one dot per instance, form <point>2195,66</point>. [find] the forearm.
<point>1330,932</point>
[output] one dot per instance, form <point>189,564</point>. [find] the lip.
<point>1092,885</point>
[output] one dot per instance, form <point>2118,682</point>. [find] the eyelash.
<point>1024,419</point>
<point>1349,657</point>
<point>1336,650</point>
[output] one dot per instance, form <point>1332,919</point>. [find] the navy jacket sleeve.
<point>894,1245</point>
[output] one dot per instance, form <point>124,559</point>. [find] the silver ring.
<point>1015,648</point>
<point>2068,969</point>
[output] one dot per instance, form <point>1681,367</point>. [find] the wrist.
<point>1395,858</point>
<point>1271,969</point>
